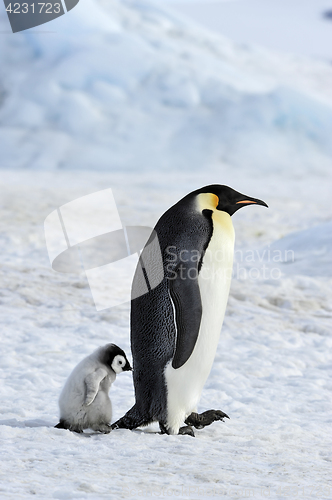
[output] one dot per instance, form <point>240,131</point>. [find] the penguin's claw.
<point>200,420</point>
<point>218,414</point>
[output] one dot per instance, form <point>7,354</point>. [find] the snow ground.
<point>272,372</point>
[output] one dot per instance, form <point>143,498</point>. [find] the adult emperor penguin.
<point>175,327</point>
<point>84,401</point>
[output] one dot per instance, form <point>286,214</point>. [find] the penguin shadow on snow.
<point>36,422</point>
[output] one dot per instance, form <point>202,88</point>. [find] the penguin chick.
<point>84,401</point>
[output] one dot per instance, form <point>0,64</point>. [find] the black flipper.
<point>186,297</point>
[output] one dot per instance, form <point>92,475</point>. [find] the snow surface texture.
<point>64,106</point>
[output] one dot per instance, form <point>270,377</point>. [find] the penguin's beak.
<point>241,200</point>
<point>127,367</point>
<point>249,201</point>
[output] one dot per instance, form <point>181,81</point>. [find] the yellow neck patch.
<point>210,201</point>
<point>207,201</point>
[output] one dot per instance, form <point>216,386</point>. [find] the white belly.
<point>185,384</point>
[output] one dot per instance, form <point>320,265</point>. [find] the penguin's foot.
<point>104,428</point>
<point>163,429</point>
<point>187,429</point>
<point>131,420</point>
<point>183,430</point>
<point>124,423</point>
<point>63,424</point>
<point>200,420</point>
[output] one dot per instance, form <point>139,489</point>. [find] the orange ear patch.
<point>214,200</point>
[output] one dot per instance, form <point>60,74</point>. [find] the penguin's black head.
<point>227,199</point>
<point>114,357</point>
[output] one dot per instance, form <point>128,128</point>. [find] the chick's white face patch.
<point>118,363</point>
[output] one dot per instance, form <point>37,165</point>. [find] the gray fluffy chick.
<point>84,401</point>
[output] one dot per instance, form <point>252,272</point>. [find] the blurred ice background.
<point>154,99</point>
<point>122,85</point>
<point>301,27</point>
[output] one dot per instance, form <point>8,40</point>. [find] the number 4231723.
<point>25,8</point>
